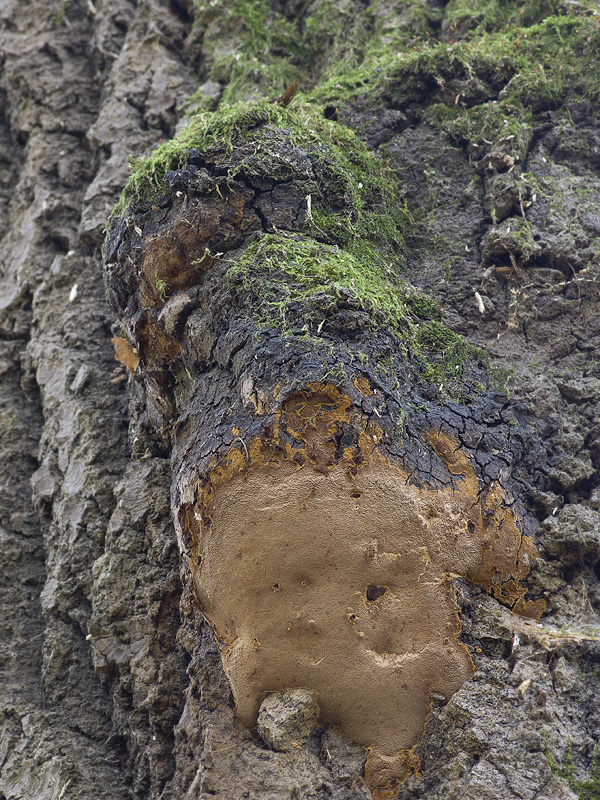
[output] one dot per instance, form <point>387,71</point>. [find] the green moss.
<point>354,42</point>
<point>254,50</point>
<point>291,282</point>
<point>434,336</point>
<point>588,789</point>
<point>513,239</point>
<point>484,88</point>
<point>503,58</point>
<point>444,356</point>
<point>203,131</point>
<point>422,306</point>
<point>345,168</point>
<point>253,47</point>
<point>280,271</point>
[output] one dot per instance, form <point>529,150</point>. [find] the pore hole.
<point>375,592</point>
<point>355,494</point>
<point>596,569</point>
<point>330,112</point>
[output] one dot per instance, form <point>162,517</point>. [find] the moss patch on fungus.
<point>350,252</point>
<point>280,271</point>
<point>295,281</point>
<point>205,130</point>
<point>336,553</point>
<point>347,166</point>
<point>354,217</point>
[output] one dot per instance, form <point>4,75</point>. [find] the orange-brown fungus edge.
<point>363,385</point>
<point>125,354</point>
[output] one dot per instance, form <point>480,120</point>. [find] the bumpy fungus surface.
<point>325,568</point>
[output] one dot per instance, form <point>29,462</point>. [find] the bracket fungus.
<point>324,491</point>
<point>325,568</point>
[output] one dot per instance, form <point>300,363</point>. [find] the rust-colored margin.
<point>506,553</point>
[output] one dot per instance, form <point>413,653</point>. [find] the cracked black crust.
<point>201,402</point>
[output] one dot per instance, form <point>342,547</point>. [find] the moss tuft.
<point>280,271</point>
<point>444,356</point>
<point>294,284</point>
<point>205,130</point>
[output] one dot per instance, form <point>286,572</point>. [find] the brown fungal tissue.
<point>333,573</point>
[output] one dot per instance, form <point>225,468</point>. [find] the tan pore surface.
<point>317,573</point>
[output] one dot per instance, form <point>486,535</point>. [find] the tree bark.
<point>313,305</point>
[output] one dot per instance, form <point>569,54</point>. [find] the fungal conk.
<point>324,567</point>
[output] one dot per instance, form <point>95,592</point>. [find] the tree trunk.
<point>285,545</point>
